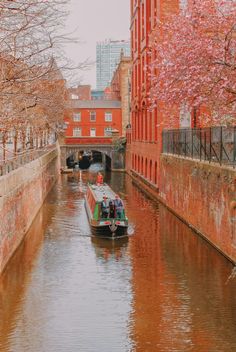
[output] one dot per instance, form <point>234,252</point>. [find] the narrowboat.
<point>104,226</point>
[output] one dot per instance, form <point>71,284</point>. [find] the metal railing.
<point>23,158</point>
<point>215,144</point>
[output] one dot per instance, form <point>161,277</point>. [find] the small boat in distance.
<point>110,226</point>
<point>85,160</point>
<point>66,170</point>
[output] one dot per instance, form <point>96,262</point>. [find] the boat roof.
<point>100,190</point>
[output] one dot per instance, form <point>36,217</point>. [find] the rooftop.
<point>95,104</point>
<point>100,191</point>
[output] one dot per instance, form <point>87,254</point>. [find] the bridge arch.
<point>68,151</point>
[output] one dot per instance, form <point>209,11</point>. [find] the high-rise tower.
<point>108,55</point>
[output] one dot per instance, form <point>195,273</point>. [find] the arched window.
<point>150,170</point>
<point>155,173</point>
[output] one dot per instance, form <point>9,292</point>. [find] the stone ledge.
<point>25,173</point>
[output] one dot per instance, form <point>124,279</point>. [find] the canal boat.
<point>111,227</point>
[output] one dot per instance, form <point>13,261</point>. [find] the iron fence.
<point>215,144</point>
<point>23,158</point>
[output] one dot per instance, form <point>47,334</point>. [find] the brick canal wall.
<point>22,193</point>
<point>203,195</point>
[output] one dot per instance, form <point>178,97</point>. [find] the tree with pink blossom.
<point>193,60</point>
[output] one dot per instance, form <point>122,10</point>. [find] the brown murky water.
<point>164,289</point>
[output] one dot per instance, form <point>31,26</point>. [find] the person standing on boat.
<point>105,207</point>
<point>99,178</point>
<point>119,207</point>
<point>111,209</point>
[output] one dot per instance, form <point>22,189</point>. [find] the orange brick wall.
<point>204,195</point>
<point>83,92</point>
<point>22,194</point>
<point>85,124</point>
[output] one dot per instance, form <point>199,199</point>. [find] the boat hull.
<point>105,231</point>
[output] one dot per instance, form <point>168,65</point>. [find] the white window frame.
<point>92,132</point>
<point>185,116</point>
<point>92,113</point>
<point>77,132</point>
<point>108,116</point>
<point>77,117</point>
<point>183,4</point>
<point>107,131</point>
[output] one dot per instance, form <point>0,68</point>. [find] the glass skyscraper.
<point>108,55</point>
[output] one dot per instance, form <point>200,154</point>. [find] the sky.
<point>92,21</point>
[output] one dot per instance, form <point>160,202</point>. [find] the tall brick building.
<point>120,89</point>
<point>144,142</point>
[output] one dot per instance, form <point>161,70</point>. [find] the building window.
<point>74,96</point>
<point>185,116</point>
<point>77,117</point>
<point>92,116</point>
<point>183,4</point>
<point>77,132</point>
<point>107,131</point>
<point>92,132</point>
<point>108,116</point>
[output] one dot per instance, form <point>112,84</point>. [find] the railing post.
<point>210,147</point>
<point>185,142</point>
<point>221,144</point>
<point>192,142</point>
<point>205,145</point>
<point>163,141</point>
<point>168,142</point>
<point>200,143</point>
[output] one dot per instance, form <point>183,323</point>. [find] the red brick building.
<point>93,120</point>
<point>144,138</point>
<point>120,89</point>
<point>82,92</point>
<point>197,192</point>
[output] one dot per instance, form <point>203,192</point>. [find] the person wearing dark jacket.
<point>111,209</point>
<point>105,207</point>
<point>119,207</point>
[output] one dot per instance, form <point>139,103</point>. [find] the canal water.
<point>163,289</point>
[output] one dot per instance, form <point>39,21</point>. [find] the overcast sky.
<point>95,20</point>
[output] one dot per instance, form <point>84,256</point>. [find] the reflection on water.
<point>162,289</point>
<point>109,249</point>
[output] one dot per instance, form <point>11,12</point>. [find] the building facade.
<point>108,55</point>
<point>81,92</point>
<point>144,138</point>
<point>120,89</point>
<point>93,119</point>
<point>198,192</point>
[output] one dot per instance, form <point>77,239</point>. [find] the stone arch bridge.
<point>112,156</point>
